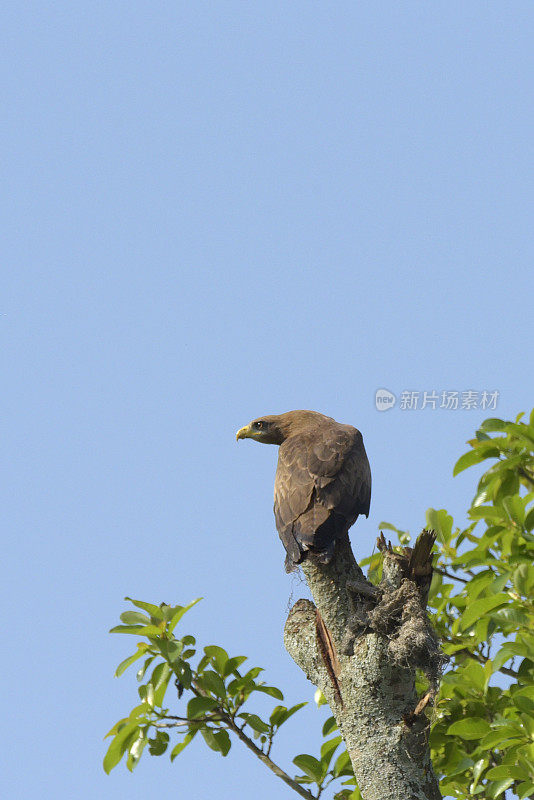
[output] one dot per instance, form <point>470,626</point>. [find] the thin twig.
<point>223,716</point>
<point>267,761</point>
<point>169,724</point>
<point>448,575</point>
<point>484,659</point>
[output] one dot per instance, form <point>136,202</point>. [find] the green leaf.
<point>141,672</point>
<point>146,693</point>
<point>199,706</point>
<point>478,769</point>
<point>493,424</point>
<point>528,722</point>
<point>115,729</point>
<point>514,508</point>
<point>232,665</point>
<point>310,766</point>
<point>509,650</point>
<point>119,745</point>
<point>158,745</point>
<point>498,737</point>
<point>130,660</point>
<point>495,789</point>
<point>139,713</point>
<point>441,522</point>
<point>499,583</point>
<point>177,749</point>
<point>320,699</point>
<point>387,526</point>
<point>468,460</point>
<point>209,738</point>
<point>154,611</point>
<point>476,610</point>
<point>329,726</point>
<point>171,649</point>
<point>223,741</point>
<point>145,630</point>
<point>278,716</point>
<point>525,790</point>
<point>486,512</point>
<point>216,740</point>
<point>523,703</point>
<point>270,690</point>
<point>253,673</point>
<point>292,710</point>
<point>477,584</point>
<point>255,722</point>
<point>159,674</point>
<point>508,771</point>
<point>135,618</point>
<point>178,614</point>
<point>328,749</point>
<point>218,657</point>
<point>456,769</point>
<point>511,616</point>
<point>212,682</point>
<point>523,579</point>
<point>136,750</point>
<point>182,670</point>
<point>168,611</point>
<point>342,765</point>
<point>469,728</point>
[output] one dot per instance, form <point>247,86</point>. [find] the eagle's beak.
<point>243,433</point>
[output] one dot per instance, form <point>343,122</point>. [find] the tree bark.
<point>365,664</point>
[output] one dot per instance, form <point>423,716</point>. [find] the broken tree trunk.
<point>361,645</point>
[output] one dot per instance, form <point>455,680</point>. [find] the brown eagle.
<point>322,483</point>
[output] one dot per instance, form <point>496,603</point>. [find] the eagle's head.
<point>263,429</point>
<point>275,428</point>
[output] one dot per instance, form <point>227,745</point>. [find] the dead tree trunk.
<point>361,645</point>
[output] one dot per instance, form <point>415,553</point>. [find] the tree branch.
<point>264,758</point>
<point>482,659</point>
<point>223,716</point>
<point>448,575</point>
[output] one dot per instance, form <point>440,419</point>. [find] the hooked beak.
<point>243,433</point>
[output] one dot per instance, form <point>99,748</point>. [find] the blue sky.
<point>215,211</point>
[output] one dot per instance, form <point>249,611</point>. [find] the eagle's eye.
<point>258,425</point>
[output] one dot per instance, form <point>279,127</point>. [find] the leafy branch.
<point>216,691</point>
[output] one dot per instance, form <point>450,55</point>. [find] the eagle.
<point>322,483</point>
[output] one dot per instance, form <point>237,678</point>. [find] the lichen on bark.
<point>379,636</point>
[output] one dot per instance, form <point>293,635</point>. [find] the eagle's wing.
<point>322,484</point>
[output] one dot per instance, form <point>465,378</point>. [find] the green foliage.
<point>210,695</point>
<point>482,602</point>
<point>482,607</point>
